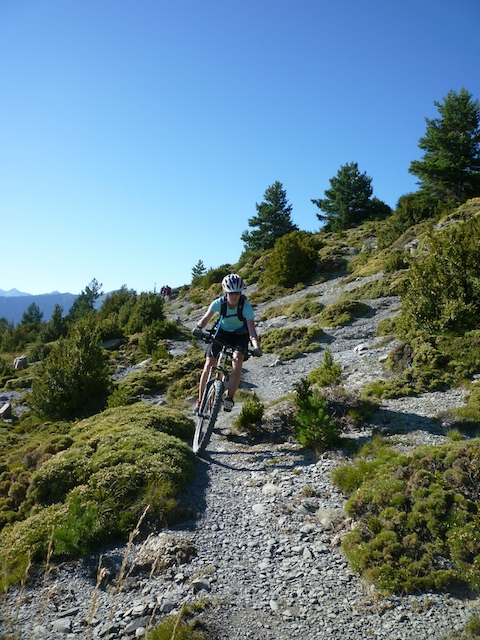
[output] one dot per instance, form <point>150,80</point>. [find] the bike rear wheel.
<point>207,417</point>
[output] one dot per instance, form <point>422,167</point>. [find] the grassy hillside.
<point>86,459</point>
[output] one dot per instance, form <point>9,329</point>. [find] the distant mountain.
<point>12,307</point>
<point>13,293</point>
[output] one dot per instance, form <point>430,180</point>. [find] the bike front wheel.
<point>208,415</point>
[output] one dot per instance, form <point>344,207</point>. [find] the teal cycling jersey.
<point>231,322</point>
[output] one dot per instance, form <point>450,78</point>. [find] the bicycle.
<point>212,397</point>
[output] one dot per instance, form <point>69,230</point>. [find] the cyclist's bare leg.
<point>234,380</point>
<point>209,363</point>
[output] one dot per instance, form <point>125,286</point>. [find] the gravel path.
<point>264,548</point>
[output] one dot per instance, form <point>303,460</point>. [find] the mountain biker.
<point>236,327</point>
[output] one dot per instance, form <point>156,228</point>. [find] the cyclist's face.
<point>233,297</point>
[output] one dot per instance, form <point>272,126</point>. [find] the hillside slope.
<point>262,553</point>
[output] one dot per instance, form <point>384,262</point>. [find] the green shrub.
<point>147,309</point>
<point>73,535</point>
<point>395,261</point>
<point>215,276</point>
<point>307,307</point>
<point>327,374</point>
<point>343,312</point>
<point>443,292</point>
<point>472,628</point>
<point>293,259</point>
<point>74,375</point>
<point>180,375</point>
<point>428,363</point>
<point>314,426</point>
<point>411,210</point>
<point>119,463</point>
<point>173,628</point>
<point>251,414</point>
<point>386,327</point>
<point>291,343</point>
<point>417,519</point>
<point>120,398</point>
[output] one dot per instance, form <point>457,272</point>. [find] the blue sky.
<point>137,136</point>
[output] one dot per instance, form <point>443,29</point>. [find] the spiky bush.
<point>443,289</point>
<point>293,259</point>
<point>291,343</point>
<point>328,373</point>
<point>117,464</point>
<point>314,426</point>
<point>417,517</point>
<point>74,376</point>
<point>251,414</point>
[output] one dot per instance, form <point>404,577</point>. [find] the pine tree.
<point>84,304</point>
<point>349,200</point>
<point>450,167</point>
<point>273,220</point>
<point>198,272</point>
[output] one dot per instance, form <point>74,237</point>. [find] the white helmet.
<point>233,283</point>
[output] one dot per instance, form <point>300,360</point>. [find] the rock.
<point>62,625</point>
<point>6,410</point>
<point>201,584</point>
<point>21,362</point>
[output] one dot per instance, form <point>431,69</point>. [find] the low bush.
<point>429,363</point>
<point>417,517</point>
<point>174,628</point>
<point>250,415</point>
<point>443,292</point>
<point>293,260</point>
<point>327,374</point>
<point>117,464</point>
<point>307,307</point>
<point>343,312</point>
<point>315,428</point>
<point>74,377</point>
<point>179,374</point>
<point>291,343</point>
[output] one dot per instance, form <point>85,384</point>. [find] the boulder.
<point>20,363</point>
<point>6,410</point>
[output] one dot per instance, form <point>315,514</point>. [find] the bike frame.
<point>212,397</point>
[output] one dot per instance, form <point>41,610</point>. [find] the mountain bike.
<point>212,397</point>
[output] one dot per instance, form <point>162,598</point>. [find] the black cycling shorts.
<point>239,341</point>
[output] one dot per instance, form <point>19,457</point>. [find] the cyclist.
<point>236,327</point>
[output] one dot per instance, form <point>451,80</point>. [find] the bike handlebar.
<point>208,337</point>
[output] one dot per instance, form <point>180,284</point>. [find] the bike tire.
<point>206,420</point>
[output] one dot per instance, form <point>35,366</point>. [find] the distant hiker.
<point>166,293</point>
<point>236,327</point>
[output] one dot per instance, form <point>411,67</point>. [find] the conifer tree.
<point>198,271</point>
<point>349,200</point>
<point>450,167</point>
<point>273,220</point>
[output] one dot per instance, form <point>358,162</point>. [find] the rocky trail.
<point>263,550</point>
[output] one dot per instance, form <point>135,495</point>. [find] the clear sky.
<point>136,136</point>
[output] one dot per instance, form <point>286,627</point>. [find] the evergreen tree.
<point>56,327</point>
<point>198,272</point>
<point>349,201</point>
<point>33,315</point>
<point>273,220</point>
<point>85,303</point>
<point>450,167</point>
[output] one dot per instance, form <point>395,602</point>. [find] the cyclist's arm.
<point>205,320</point>
<point>253,333</point>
